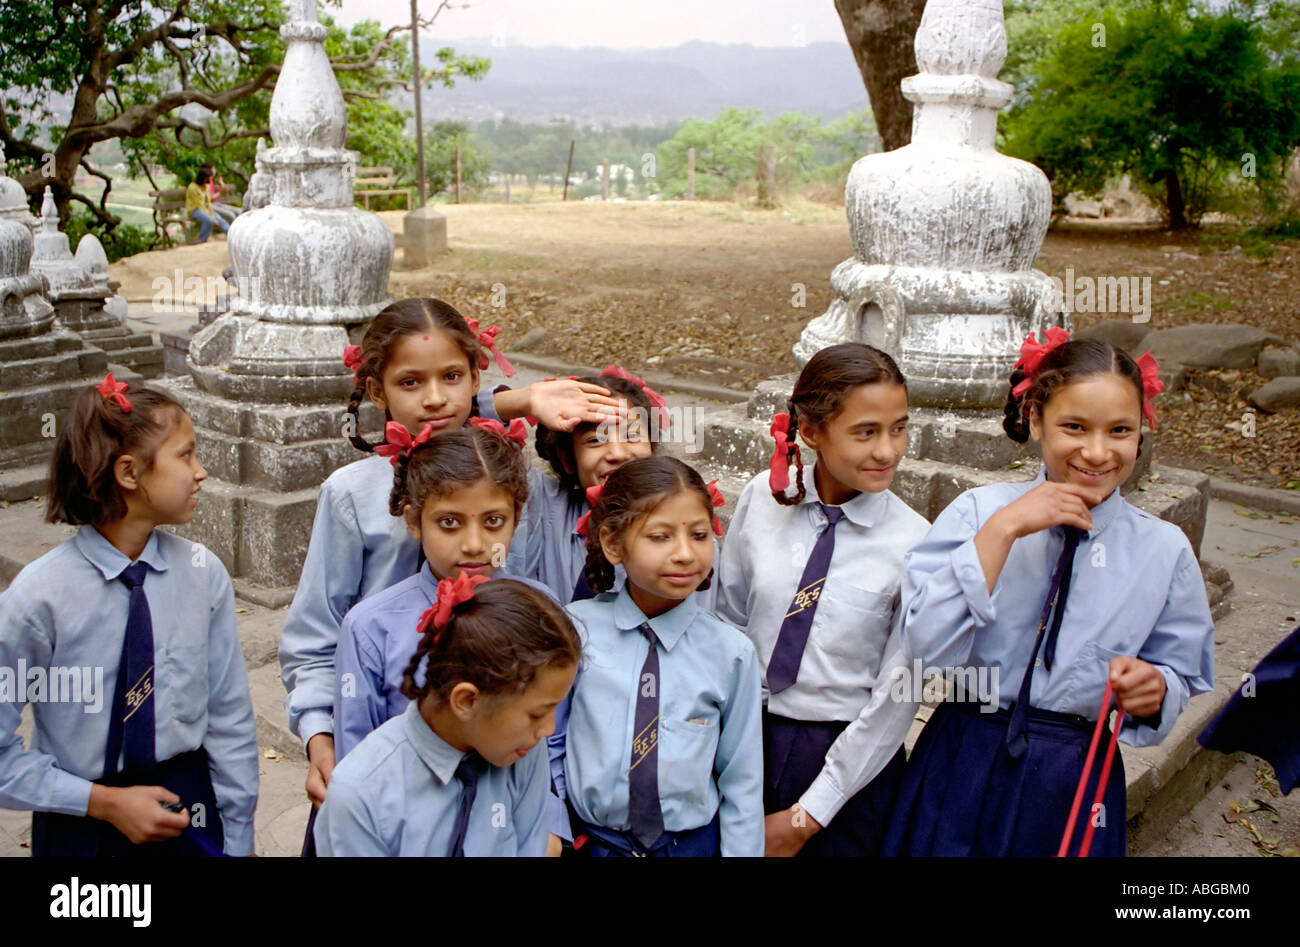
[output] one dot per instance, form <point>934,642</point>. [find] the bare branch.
<point>108,183</point>
<point>180,123</point>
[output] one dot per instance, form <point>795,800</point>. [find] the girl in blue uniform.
<point>664,752</point>
<point>1061,586</point>
<point>813,580</point>
<point>419,363</point>
<point>126,638</point>
<point>462,771</point>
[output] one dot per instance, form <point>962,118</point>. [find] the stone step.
<point>41,370</point>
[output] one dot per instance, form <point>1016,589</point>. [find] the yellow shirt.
<point>197,197</point>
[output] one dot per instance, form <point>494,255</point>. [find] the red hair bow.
<point>715,495</point>
<point>594,494</point>
<point>112,388</point>
<point>1033,352</point>
<point>1151,385</point>
<point>353,359</point>
<point>451,592</point>
<point>517,432</point>
<point>656,399</point>
<point>398,440</point>
<point>488,339</point>
<point>778,477</point>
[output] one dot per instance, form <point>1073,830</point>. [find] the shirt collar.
<point>111,561</point>
<point>668,627</point>
<point>862,510</point>
<point>440,756</point>
<point>429,582</point>
<point>1102,514</point>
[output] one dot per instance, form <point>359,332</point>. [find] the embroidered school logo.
<point>645,741</point>
<point>139,693</point>
<point>134,901</point>
<point>806,597</point>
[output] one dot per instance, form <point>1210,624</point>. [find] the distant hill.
<point>595,85</point>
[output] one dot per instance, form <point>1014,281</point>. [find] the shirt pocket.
<point>1084,681</point>
<point>852,624</point>
<point>183,677</point>
<point>687,750</point>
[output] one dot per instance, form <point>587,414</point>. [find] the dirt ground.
<point>713,290</point>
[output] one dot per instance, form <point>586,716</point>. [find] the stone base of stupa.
<point>265,464</point>
<point>948,453</point>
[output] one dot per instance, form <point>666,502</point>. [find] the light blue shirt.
<point>397,794</point>
<point>65,616</point>
<point>357,548</point>
<point>710,720</point>
<point>1137,590</point>
<point>553,551</point>
<point>853,647</point>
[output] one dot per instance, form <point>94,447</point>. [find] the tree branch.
<point>181,123</point>
<point>108,183</point>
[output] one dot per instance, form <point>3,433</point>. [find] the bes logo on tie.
<point>139,692</point>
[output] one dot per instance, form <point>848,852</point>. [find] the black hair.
<point>1067,363</point>
<point>456,459</point>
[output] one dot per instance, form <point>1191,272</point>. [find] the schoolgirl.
<point>664,753</point>
<point>1064,588</point>
<point>144,736</point>
<point>813,580</point>
<point>462,770</point>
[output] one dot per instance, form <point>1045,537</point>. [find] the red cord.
<point>1086,845</point>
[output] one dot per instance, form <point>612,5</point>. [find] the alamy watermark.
<point>38,684</point>
<point>1105,294</point>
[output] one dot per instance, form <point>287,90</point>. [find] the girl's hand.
<point>554,846</point>
<point>563,404</point>
<point>1139,686</point>
<point>137,812</point>
<point>320,754</point>
<point>787,831</point>
<point>1048,504</point>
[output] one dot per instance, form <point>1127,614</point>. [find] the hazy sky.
<point>617,23</point>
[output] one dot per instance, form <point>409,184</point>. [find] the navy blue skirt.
<point>794,753</point>
<point>1265,719</point>
<point>703,842</point>
<point>963,795</point>
<point>55,835</point>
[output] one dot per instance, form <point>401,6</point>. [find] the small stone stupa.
<point>41,365</point>
<point>945,229</point>
<point>13,199</point>
<point>267,386</point>
<point>944,232</point>
<point>84,299</point>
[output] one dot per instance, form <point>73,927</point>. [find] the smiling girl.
<point>1062,586</point>
<point>813,580</point>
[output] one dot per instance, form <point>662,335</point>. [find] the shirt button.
<point>1038,663</point>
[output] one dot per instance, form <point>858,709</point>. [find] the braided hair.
<point>393,323</point>
<point>556,447</point>
<point>820,393</point>
<point>497,640</point>
<point>1067,363</point>
<point>82,483</point>
<point>631,492</point>
<point>451,461</point>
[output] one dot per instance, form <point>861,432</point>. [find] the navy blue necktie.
<point>136,676</point>
<point>643,809</point>
<point>783,668</point>
<point>1058,592</point>
<point>467,772</point>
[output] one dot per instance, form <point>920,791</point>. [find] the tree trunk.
<point>881,34</point>
<point>1174,201</point>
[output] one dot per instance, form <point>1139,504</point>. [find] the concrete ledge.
<point>1259,498</point>
<point>266,596</point>
<point>23,483</point>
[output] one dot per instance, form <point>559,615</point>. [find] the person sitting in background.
<point>217,189</point>
<point>198,205</point>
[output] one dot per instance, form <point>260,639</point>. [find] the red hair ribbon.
<point>1151,385</point>
<point>517,432</point>
<point>715,495</point>
<point>451,592</point>
<point>488,339</point>
<point>1033,352</point>
<point>594,494</point>
<point>353,359</point>
<point>778,477</point>
<point>112,389</point>
<point>1086,843</point>
<point>656,399</point>
<point>398,440</point>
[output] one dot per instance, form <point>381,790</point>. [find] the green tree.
<point>1182,95</point>
<point>726,153</point>
<point>440,157</point>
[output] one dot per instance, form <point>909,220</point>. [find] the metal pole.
<point>419,117</point>
<point>457,173</point>
<point>568,171</point>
